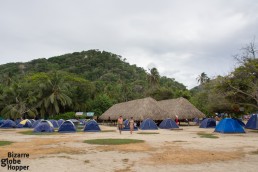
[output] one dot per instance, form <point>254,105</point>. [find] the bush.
<point>65,116</point>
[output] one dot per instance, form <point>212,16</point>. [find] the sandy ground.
<point>170,150</point>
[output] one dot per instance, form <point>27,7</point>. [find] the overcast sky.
<point>181,38</point>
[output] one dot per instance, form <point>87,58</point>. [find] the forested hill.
<point>90,75</point>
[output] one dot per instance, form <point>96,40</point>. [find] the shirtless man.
<point>120,124</point>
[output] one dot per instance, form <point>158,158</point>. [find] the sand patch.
<point>135,147</point>
<point>178,155</point>
<point>41,146</point>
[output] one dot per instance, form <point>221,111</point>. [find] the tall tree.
<point>54,95</point>
<point>202,78</point>
<point>153,78</point>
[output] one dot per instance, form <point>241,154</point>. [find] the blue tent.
<point>208,123</point>
<point>197,120</point>
<point>148,124</point>
<point>32,121</point>
<point>24,124</point>
<point>8,124</point>
<point>60,122</point>
<point>67,127</point>
<point>44,126</point>
<point>252,122</point>
<point>54,122</point>
<point>91,126</point>
<point>36,123</point>
<point>239,121</point>
<point>17,121</point>
<point>168,124</point>
<point>1,122</point>
<point>127,126</point>
<point>229,125</point>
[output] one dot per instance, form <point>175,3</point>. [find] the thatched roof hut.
<point>138,109</point>
<point>180,107</point>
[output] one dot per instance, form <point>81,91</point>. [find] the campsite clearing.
<point>167,151</point>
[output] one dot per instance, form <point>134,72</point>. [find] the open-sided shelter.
<point>180,107</point>
<point>139,109</point>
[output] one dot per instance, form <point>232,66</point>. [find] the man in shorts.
<point>120,124</point>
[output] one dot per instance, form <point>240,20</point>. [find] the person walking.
<point>120,124</point>
<point>131,124</point>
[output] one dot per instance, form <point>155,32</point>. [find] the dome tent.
<point>67,127</point>
<point>25,124</point>
<point>91,126</point>
<point>168,124</point>
<point>229,125</point>
<point>54,122</point>
<point>127,126</point>
<point>60,122</point>
<point>148,124</point>
<point>44,126</point>
<point>8,124</point>
<point>252,123</point>
<point>36,123</point>
<point>208,123</point>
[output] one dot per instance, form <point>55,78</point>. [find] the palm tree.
<point>54,95</point>
<point>153,77</point>
<point>203,78</point>
<point>17,101</point>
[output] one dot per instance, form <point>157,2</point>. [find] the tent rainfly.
<point>139,109</point>
<point>180,107</point>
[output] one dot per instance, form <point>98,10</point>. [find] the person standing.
<point>131,124</point>
<point>120,124</point>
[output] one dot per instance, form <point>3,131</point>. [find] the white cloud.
<point>181,37</point>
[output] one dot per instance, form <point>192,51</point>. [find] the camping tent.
<point>44,126</point>
<point>168,124</point>
<point>60,122</point>
<point>24,124</point>
<point>252,122</point>
<point>127,126</point>
<point>17,121</point>
<point>91,126</point>
<point>240,122</point>
<point>229,125</point>
<point>208,123</point>
<point>67,127</point>
<point>36,123</point>
<point>54,122</point>
<point>1,122</point>
<point>148,124</point>
<point>8,124</point>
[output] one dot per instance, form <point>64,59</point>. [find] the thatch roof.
<point>180,107</point>
<point>138,109</point>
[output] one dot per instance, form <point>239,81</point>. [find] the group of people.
<point>120,124</point>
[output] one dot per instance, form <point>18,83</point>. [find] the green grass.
<point>147,133</point>
<point>112,141</point>
<point>30,132</point>
<point>207,135</point>
<point>4,143</point>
